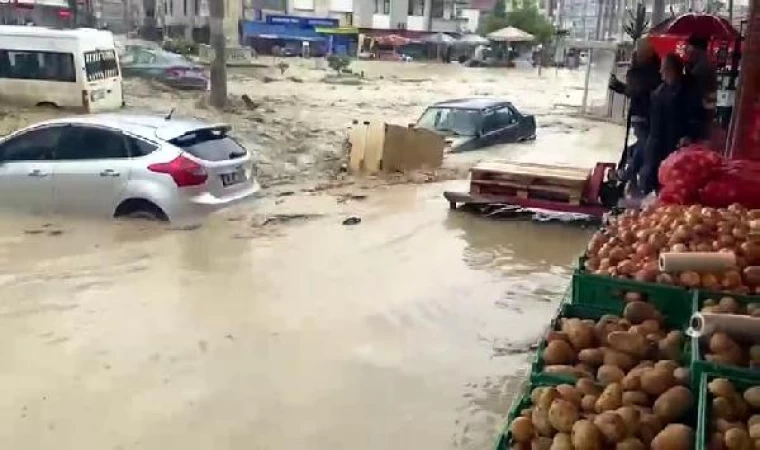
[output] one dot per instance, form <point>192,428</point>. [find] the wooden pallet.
<point>527,180</point>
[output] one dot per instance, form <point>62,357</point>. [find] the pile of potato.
<point>734,417</point>
<point>722,348</point>
<point>615,349</point>
<point>585,417</point>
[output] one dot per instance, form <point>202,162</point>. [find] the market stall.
<point>657,343</point>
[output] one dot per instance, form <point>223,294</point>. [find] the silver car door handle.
<point>109,173</point>
<point>37,173</point>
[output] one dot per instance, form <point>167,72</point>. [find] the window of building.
<point>197,7</point>
<point>416,7</point>
<point>382,6</point>
<point>184,7</point>
<point>436,9</point>
<point>100,65</point>
<point>29,65</point>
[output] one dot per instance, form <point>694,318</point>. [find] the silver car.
<point>118,165</point>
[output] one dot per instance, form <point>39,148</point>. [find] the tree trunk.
<point>218,44</point>
<point>658,12</point>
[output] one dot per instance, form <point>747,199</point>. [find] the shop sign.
<point>302,22</point>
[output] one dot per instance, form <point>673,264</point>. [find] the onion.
<point>665,278</point>
<point>710,282</point>
<point>627,267</point>
<point>679,248</point>
<point>689,279</point>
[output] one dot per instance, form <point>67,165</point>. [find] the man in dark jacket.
<point>642,79</point>
<point>701,73</point>
<point>676,113</point>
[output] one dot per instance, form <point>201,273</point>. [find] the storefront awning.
<point>338,30</point>
<point>265,30</point>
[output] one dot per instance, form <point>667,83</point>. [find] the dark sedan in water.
<point>473,123</point>
<point>169,68</point>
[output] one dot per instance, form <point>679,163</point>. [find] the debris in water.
<point>352,221</point>
<point>346,197</point>
<point>283,218</point>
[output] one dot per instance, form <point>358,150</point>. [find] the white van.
<point>75,68</point>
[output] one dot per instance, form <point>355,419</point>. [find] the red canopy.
<point>708,26</point>
<point>392,40</point>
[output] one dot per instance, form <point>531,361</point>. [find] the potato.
<point>564,369</point>
<point>609,374</point>
<point>588,403</point>
<point>754,352</point>
<point>522,429</point>
<point>633,344</point>
<point>716,442</point>
<point>580,334</point>
<point>673,404</point>
<point>559,352</point>
<point>591,356</point>
<point>630,443</point>
<point>554,335</point>
<point>666,364</point>
<point>611,426</point>
<point>604,327</point>
<point>562,442</point>
<point>541,424</point>
<point>753,420</point>
<point>587,387</point>
<point>670,347</point>
<point>650,326</point>
<point>541,443</point>
<point>546,397</point>
<point>585,368</point>
<point>586,436</point>
<point>674,437</point>
<point>724,425</point>
<point>611,398</point>
<point>562,415</point>
<point>656,381</point>
<point>649,426</point>
<point>737,439</point>
<point>536,393</point>
<point>720,387</point>
<point>682,376</point>
<point>570,393</point>
<point>752,396</point>
<point>728,305</point>
<point>617,358</point>
<point>722,408</point>
<point>741,408</point>
<point>754,431</point>
<point>631,417</point>
<point>724,349</point>
<point>638,312</point>
<point>526,412</point>
<point>632,381</point>
<point>634,398</point>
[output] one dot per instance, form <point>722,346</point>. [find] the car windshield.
<point>461,122</point>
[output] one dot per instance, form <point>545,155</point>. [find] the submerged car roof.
<point>472,103</point>
<point>150,126</point>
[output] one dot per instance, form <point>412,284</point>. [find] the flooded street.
<point>410,329</point>
<point>275,325</point>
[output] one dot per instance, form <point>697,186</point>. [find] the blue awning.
<point>265,30</point>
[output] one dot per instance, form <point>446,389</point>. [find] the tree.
<point>524,16</point>
<point>636,24</point>
<point>219,63</point>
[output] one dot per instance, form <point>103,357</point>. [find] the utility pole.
<point>219,63</point>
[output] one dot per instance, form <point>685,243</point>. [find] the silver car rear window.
<point>211,144</point>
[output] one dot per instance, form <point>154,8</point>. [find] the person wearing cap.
<point>641,79</point>
<point>701,73</point>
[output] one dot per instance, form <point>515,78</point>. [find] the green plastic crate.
<point>674,302</point>
<point>698,363</point>
<point>521,402</point>
<point>565,310</point>
<point>705,401</point>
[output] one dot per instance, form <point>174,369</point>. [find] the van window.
<point>33,65</point>
<point>101,64</point>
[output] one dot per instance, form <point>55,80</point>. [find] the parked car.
<point>472,123</point>
<point>118,165</point>
<point>169,68</point>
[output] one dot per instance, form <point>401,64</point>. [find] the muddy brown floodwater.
<point>410,330</point>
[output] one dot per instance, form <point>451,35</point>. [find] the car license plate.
<point>228,179</point>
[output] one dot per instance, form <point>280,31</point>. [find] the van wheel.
<point>138,209</point>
